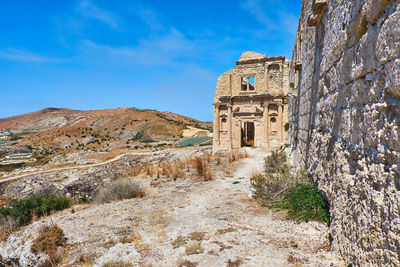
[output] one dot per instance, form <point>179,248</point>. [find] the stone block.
<point>388,41</point>
<point>392,71</point>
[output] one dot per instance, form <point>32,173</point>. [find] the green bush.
<point>22,210</point>
<point>148,141</point>
<point>304,203</point>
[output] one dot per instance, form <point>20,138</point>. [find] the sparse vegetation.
<point>197,236</point>
<point>268,188</point>
<point>304,203</point>
<point>286,127</point>
<point>23,210</point>
<point>117,264</point>
<point>278,188</point>
<point>48,241</point>
<point>194,248</point>
<point>134,238</point>
<point>203,168</point>
<point>118,190</point>
<point>148,141</point>
<point>276,163</point>
<point>193,141</point>
<point>179,241</point>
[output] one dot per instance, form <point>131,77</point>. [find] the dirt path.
<point>17,177</point>
<point>188,223</point>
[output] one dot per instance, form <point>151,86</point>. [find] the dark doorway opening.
<point>248,134</point>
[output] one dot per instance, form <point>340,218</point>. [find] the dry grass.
<point>194,248</point>
<point>7,227</point>
<point>159,218</point>
<point>197,236</point>
<point>235,263</point>
<point>143,249</point>
<point>134,238</point>
<point>179,241</point>
<point>117,264</point>
<point>203,167</point>
<point>199,165</point>
<point>48,241</point>
<point>135,170</point>
<point>186,263</point>
<point>222,246</point>
<point>226,230</point>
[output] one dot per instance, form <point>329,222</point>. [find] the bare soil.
<point>189,222</point>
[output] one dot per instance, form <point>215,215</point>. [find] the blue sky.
<point>164,55</point>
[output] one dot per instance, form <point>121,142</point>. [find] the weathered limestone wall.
<point>345,119</point>
<point>253,93</point>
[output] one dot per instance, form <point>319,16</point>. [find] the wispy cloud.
<point>149,16</point>
<point>281,20</point>
<point>158,50</point>
<point>90,10</point>
<point>13,54</point>
<point>254,8</point>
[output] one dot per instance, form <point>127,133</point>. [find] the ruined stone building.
<point>250,105</point>
<point>345,121</point>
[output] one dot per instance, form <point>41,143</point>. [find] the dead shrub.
<point>149,169</point>
<point>186,263</point>
<point>135,171</point>
<point>276,163</point>
<point>7,226</point>
<point>117,264</point>
<point>194,248</point>
<point>118,190</point>
<point>235,263</point>
<point>203,168</point>
<point>268,189</point>
<point>48,241</point>
<point>179,241</point>
<point>197,236</point>
<point>134,238</point>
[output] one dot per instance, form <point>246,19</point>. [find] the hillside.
<point>60,131</point>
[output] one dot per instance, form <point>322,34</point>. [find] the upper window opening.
<point>248,83</point>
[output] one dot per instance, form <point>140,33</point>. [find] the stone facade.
<point>250,105</point>
<point>345,119</point>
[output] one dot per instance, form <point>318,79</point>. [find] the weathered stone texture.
<point>345,117</point>
<point>250,105</point>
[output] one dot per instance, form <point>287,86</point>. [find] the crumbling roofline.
<point>261,60</point>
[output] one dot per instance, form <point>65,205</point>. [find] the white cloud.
<point>23,56</point>
<point>149,16</point>
<point>157,50</point>
<point>88,9</point>
<point>279,19</point>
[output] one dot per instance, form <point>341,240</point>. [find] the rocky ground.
<point>187,222</point>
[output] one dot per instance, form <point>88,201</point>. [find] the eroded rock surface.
<point>345,121</point>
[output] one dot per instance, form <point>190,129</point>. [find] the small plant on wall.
<point>286,127</point>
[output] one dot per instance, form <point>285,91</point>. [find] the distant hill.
<point>68,129</point>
